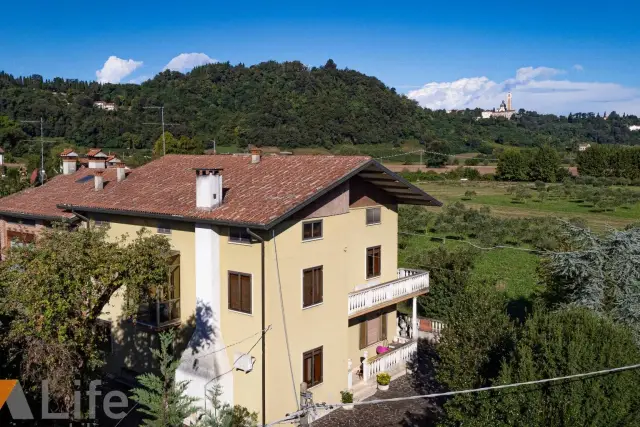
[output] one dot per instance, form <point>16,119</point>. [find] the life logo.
<point>12,395</point>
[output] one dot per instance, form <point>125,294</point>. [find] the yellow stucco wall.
<point>341,252</point>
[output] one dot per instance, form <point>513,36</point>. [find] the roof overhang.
<point>35,216</point>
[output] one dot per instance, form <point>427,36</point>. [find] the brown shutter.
<point>245,293</point>
<point>306,367</point>
<point>383,326</point>
<point>317,288</point>
<point>234,292</point>
<point>307,288</point>
<point>363,334</point>
<point>317,366</point>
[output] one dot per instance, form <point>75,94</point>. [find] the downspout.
<point>264,335</point>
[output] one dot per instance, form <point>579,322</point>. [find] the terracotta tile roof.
<point>67,151</point>
<point>1,150</point>
<point>254,193</point>
<point>93,152</point>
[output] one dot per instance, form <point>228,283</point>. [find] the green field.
<point>511,270</point>
<point>494,195</point>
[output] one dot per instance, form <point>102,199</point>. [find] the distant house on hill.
<point>505,110</point>
<point>583,147</point>
<point>633,128</point>
<point>109,106</point>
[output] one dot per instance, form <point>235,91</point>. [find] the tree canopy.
<point>285,104</point>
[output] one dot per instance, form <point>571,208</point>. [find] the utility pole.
<point>164,141</point>
<point>41,121</point>
<point>306,400</point>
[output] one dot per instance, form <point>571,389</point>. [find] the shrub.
<point>346,396</point>
<point>472,162</point>
<point>383,378</point>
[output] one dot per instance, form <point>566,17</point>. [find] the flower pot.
<point>348,407</point>
<point>383,387</point>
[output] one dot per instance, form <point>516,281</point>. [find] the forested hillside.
<point>276,104</point>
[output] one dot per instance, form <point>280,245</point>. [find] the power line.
<point>468,391</point>
<point>225,347</point>
<point>284,322</point>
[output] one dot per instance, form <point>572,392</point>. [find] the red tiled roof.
<point>254,193</point>
<point>1,150</point>
<point>67,151</point>
<point>93,152</point>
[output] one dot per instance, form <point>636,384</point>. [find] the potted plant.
<point>347,397</point>
<point>383,381</point>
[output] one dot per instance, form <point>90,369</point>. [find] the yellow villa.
<point>282,266</point>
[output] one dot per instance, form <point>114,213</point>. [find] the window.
<point>161,306</point>
<point>240,292</point>
<point>164,229</point>
<point>373,262</point>
<point>18,239</point>
<point>312,230</point>
<point>373,329</point>
<point>312,367</point>
<point>239,235</point>
<point>373,216</point>
<point>311,286</point>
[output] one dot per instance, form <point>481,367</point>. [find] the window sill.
<point>374,277</point>
<point>241,312</point>
<point>374,223</point>
<point>315,385</point>
<point>312,305</point>
<point>311,240</point>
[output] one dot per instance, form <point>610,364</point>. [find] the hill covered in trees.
<point>285,104</point>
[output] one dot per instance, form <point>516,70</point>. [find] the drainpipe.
<point>264,335</point>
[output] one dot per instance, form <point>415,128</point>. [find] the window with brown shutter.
<point>240,292</point>
<point>374,260</point>
<point>373,329</point>
<point>311,286</point>
<point>312,367</point>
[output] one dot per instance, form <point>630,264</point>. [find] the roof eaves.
<point>37,216</point>
<point>413,188</point>
<point>179,218</point>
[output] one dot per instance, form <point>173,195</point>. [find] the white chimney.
<point>69,161</point>
<point>98,180</point>
<point>121,173</point>
<point>208,188</point>
<point>256,155</point>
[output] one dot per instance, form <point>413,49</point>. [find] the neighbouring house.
<point>108,106</point>
<point>583,147</point>
<point>256,240</point>
<point>634,128</point>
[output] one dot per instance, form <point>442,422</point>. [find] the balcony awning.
<point>392,183</point>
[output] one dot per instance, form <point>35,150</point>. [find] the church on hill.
<point>505,110</point>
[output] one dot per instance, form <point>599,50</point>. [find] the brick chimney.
<point>208,188</point>
<point>256,155</point>
<point>98,180</point>
<point>69,161</point>
<point>121,173</point>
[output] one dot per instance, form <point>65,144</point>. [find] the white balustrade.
<point>408,282</point>
<point>387,361</point>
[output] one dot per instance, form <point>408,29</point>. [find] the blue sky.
<point>592,47</point>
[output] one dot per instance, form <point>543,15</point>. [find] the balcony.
<point>409,283</point>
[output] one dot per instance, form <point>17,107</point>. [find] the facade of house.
<point>583,147</point>
<point>103,105</point>
<point>281,266</point>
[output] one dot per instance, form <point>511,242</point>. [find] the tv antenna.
<point>161,108</point>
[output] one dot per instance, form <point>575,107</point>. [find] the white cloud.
<point>533,89</point>
<point>578,67</point>
<point>186,61</point>
<point>115,69</point>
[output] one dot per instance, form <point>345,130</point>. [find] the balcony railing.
<point>408,282</point>
<point>391,359</point>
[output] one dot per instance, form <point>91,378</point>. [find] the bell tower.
<point>509,102</point>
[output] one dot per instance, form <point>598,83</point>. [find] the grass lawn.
<point>493,195</point>
<point>511,270</point>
